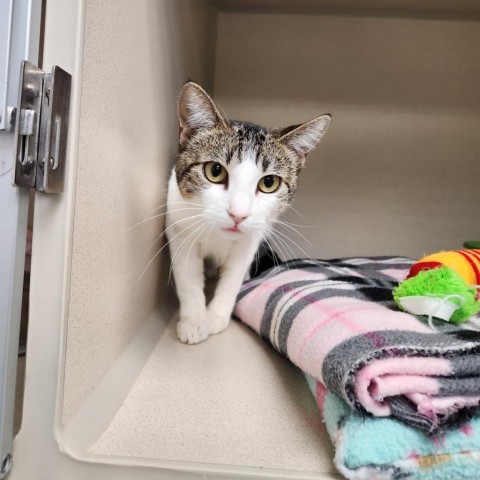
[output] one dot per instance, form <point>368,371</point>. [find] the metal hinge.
<point>41,128</point>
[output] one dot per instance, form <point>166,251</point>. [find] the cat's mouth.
<point>233,229</point>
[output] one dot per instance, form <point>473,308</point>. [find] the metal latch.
<point>41,128</point>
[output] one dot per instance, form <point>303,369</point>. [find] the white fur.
<point>197,228</point>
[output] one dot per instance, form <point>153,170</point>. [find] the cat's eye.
<point>269,183</point>
<point>215,172</point>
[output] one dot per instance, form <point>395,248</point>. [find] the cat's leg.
<point>232,274</point>
<point>189,281</point>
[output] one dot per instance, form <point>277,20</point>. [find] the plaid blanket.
<point>337,321</point>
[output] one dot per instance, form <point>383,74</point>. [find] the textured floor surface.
<point>230,400</point>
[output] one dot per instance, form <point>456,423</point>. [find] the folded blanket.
<point>337,321</point>
<point>368,448</point>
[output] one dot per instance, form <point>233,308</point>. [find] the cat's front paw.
<point>192,331</point>
<point>217,323</point>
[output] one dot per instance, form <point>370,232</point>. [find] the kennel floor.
<point>231,400</point>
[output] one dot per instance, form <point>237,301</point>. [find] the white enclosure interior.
<point>397,173</point>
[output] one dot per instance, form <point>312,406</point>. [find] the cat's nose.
<point>236,218</point>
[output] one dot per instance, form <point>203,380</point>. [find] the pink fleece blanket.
<point>337,321</point>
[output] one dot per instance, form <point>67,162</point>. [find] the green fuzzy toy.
<point>441,282</point>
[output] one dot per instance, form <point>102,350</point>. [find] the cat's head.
<point>242,174</point>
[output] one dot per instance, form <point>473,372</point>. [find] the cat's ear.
<point>196,111</point>
<point>303,138</point>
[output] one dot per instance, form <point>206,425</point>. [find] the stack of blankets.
<point>400,400</point>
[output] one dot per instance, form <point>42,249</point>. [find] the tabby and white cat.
<point>230,182</point>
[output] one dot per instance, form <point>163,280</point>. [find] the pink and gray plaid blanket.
<point>337,321</point>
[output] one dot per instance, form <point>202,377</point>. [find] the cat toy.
<point>443,285</point>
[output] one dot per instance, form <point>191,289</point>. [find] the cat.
<point>230,182</point>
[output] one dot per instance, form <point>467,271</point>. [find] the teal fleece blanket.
<point>382,448</point>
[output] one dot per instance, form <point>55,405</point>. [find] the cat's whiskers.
<point>158,216</point>
<point>296,224</point>
<point>261,228</point>
<point>275,238</point>
<point>273,270</point>
<point>183,244</point>
<point>194,241</point>
<point>164,245</point>
<point>173,225</point>
<point>291,253</point>
<point>170,227</point>
<point>286,224</point>
<point>277,232</point>
<point>274,257</point>
<point>174,203</point>
<point>296,211</point>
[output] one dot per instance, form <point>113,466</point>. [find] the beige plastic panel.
<point>136,57</point>
<point>228,401</point>
<point>398,171</point>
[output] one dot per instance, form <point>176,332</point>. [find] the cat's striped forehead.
<point>250,142</point>
<point>248,134</point>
